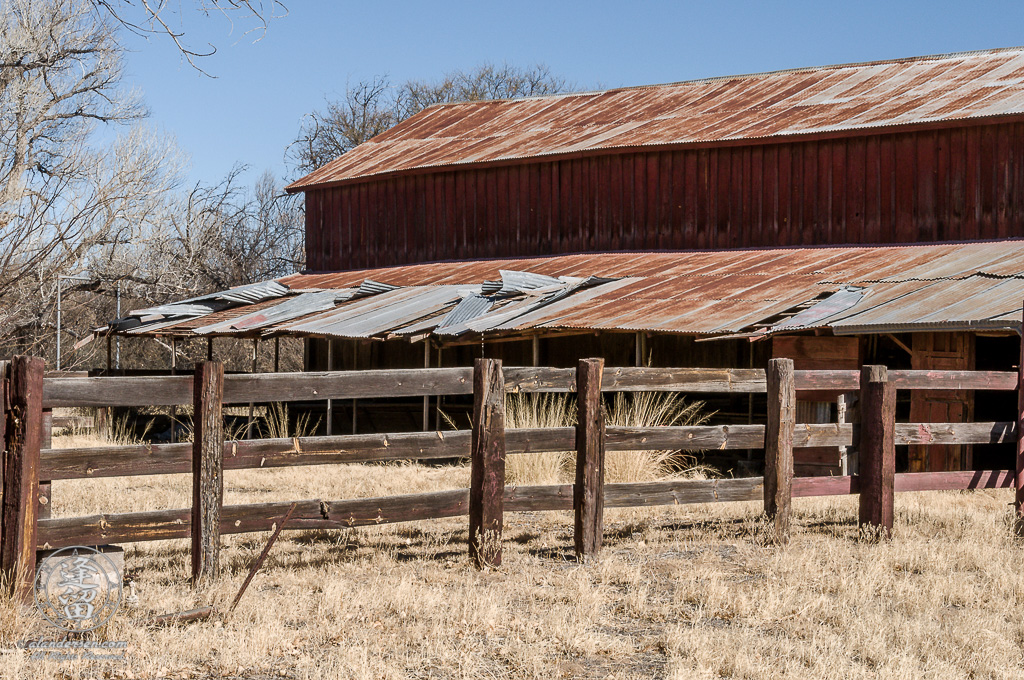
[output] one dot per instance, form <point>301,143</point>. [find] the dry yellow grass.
<point>637,409</point>
<point>679,592</point>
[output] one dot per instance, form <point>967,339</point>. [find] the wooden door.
<point>810,353</point>
<point>943,352</point>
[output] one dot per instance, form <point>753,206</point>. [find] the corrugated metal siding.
<point>951,184</point>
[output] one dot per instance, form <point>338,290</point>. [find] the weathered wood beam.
<point>588,491</point>
<point>207,470</point>
<point>877,448</point>
<point>1019,461</point>
<point>45,494</point>
<point>22,439</point>
<point>487,474</point>
<point>682,492</point>
<point>778,451</point>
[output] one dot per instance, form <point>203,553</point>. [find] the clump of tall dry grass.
<point>634,409</point>
<point>277,422</point>
<point>652,409</point>
<point>527,411</point>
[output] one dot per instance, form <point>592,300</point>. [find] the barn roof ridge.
<point>959,88</point>
<point>739,76</point>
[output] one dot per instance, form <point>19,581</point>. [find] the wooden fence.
<point>29,465</point>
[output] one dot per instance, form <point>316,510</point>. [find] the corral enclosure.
<point>27,465</point>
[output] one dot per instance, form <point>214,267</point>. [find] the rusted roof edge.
<point>813,135</point>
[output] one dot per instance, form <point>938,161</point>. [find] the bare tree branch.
<point>370,107</point>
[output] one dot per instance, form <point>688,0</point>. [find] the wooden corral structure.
<point>26,395</point>
<point>837,216</point>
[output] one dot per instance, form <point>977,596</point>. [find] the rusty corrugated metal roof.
<point>956,285</point>
<point>970,85</point>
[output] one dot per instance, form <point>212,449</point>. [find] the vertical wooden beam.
<point>844,452</point>
<point>355,364</point>
<point>330,402</point>
<point>277,354</point>
<point>588,492</point>
<point>101,421</point>
<point>778,446</point>
<point>255,355</point>
<point>5,401</point>
<point>174,407</point>
<point>45,442</point>
<point>877,448</point>
<point>426,398</point>
<point>487,477</point>
<point>207,469</point>
<point>1018,481</point>
<point>21,473</point>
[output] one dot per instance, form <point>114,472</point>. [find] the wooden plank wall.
<point>950,184</point>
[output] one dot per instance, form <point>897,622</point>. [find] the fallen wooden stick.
<point>200,614</point>
<point>263,556</point>
<point>203,613</point>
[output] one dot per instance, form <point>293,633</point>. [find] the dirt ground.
<point>678,592</point>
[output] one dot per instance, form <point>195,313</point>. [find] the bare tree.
<point>162,18</point>
<point>370,107</point>
<point>226,235</point>
<point>60,199</point>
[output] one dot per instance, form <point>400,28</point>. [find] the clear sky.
<point>253,107</point>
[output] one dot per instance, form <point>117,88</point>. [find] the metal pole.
<point>118,354</point>
<point>60,288</point>
<point>58,321</point>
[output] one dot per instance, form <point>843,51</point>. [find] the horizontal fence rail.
<point>340,514</point>
<point>244,388</point>
<point>486,445</point>
<point>159,459</point>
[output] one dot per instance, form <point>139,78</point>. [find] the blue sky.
<point>254,106</point>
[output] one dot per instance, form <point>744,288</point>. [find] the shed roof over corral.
<point>781,104</point>
<point>755,293</point>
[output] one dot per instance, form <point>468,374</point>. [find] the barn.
<point>834,215</point>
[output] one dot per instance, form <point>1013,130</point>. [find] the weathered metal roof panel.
<point>381,313</point>
<point>843,97</point>
<point>699,292</point>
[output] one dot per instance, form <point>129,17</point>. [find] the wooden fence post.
<point>1018,481</point>
<point>487,476</point>
<point>588,492</point>
<point>778,445</point>
<point>46,442</point>
<point>21,473</point>
<point>207,469</point>
<point>877,448</point>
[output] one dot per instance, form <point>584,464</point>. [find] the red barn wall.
<point>936,185</point>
